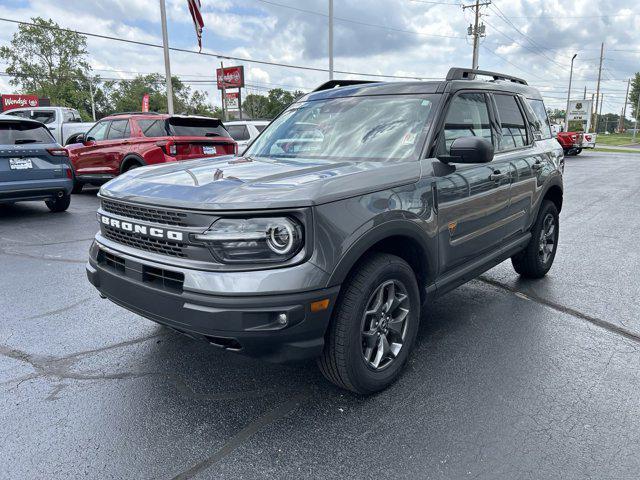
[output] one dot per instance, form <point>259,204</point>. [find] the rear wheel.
<point>537,258</point>
<point>374,326</point>
<point>59,204</point>
<point>578,151</point>
<point>130,166</point>
<point>77,185</point>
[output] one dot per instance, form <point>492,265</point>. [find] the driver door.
<point>473,199</point>
<point>88,157</point>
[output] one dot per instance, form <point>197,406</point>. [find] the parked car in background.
<point>245,131</point>
<point>123,141</point>
<point>33,166</point>
<point>63,123</point>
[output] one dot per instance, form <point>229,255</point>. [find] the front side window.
<point>238,132</point>
<point>468,116</point>
<point>512,124</point>
<point>119,129</point>
<point>98,131</point>
<point>351,128</point>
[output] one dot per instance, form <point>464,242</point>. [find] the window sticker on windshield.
<point>409,138</point>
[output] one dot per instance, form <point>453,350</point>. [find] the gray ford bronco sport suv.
<point>352,210</point>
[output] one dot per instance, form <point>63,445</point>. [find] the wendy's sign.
<point>16,101</point>
<point>230,77</point>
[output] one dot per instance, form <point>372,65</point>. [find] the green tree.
<point>48,62</point>
<point>256,106</point>
<point>126,96</point>
<point>280,99</point>
<point>633,95</point>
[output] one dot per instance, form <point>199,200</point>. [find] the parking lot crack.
<point>244,435</point>
<point>611,327</point>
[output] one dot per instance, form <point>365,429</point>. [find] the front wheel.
<point>536,259</point>
<point>59,204</point>
<point>374,326</point>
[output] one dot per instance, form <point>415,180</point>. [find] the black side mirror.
<point>80,138</point>
<point>469,150</point>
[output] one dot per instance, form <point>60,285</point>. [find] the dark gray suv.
<point>349,214</point>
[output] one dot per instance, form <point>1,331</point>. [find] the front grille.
<point>163,247</point>
<point>149,214</point>
<point>161,278</point>
<point>112,261</point>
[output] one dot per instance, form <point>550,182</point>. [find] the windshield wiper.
<point>20,141</point>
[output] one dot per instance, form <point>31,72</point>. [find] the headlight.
<point>246,240</point>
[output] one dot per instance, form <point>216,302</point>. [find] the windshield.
<point>388,127</point>
<point>18,133</point>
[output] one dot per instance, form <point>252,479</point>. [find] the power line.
<point>216,55</point>
<point>358,22</point>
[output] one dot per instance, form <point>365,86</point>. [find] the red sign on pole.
<point>17,101</point>
<point>232,100</point>
<point>145,102</point>
<point>230,77</point>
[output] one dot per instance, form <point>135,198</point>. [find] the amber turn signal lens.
<point>319,305</point>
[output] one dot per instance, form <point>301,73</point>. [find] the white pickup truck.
<point>64,123</point>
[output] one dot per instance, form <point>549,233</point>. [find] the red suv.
<point>120,142</point>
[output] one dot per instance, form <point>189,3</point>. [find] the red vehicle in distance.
<point>123,141</point>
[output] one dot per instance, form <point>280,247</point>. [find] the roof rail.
<point>458,73</point>
<point>340,83</point>
<point>132,113</point>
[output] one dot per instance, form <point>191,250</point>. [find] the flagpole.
<point>167,66</point>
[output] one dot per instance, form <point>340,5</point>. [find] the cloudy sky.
<point>534,39</point>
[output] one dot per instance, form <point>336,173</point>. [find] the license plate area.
<point>20,164</point>
<point>209,150</point>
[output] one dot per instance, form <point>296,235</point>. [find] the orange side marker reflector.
<point>319,305</point>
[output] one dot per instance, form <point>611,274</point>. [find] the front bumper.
<point>248,324</point>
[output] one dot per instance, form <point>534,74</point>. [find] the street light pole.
<point>167,66</point>
<point>566,113</point>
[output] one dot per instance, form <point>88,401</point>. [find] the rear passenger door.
<point>516,146</point>
<point>473,200</point>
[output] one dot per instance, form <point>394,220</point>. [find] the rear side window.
<point>238,132</point>
<point>119,129</point>
<point>468,116</point>
<point>260,128</point>
<point>540,122</point>
<point>152,128</point>
<point>512,124</point>
<point>19,133</point>
<point>196,127</point>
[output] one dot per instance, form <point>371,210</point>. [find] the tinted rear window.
<point>17,133</point>
<point>196,127</point>
<point>238,132</point>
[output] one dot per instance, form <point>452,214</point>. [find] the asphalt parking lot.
<point>510,379</point>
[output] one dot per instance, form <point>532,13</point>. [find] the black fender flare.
<point>391,228</point>
<point>131,157</point>
<point>553,182</point>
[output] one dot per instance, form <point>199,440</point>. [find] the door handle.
<point>497,175</point>
<point>537,165</point>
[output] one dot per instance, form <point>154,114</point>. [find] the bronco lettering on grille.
<point>141,229</point>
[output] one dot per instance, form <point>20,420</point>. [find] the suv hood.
<point>237,183</point>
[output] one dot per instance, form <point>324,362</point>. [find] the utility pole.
<point>93,102</point>
<point>330,39</point>
<point>624,110</point>
<point>224,95</point>
<point>476,30</point>
<point>598,87</point>
<point>635,130</point>
<point>566,113</point>
<point>584,97</point>
<point>600,114</point>
<point>167,66</point>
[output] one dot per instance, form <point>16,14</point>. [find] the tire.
<point>131,165</point>
<point>349,337</point>
<point>59,204</point>
<point>537,258</point>
<point>577,151</point>
<point>77,186</point>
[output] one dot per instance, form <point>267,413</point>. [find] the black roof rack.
<point>457,73</point>
<point>340,83</point>
<point>133,113</point>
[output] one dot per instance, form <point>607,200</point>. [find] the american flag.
<point>196,15</point>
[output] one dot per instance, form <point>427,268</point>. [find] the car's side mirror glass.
<point>469,150</point>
